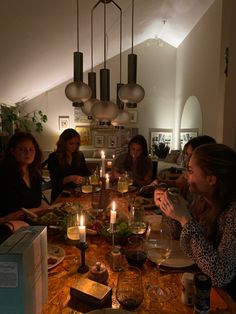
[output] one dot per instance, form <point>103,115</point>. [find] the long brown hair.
<point>65,136</point>
<point>218,160</point>
<point>10,161</point>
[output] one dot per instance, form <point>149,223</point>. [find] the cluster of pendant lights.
<point>84,96</point>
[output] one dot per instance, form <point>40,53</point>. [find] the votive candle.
<point>113,213</point>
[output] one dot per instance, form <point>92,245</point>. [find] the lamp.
<point>77,91</point>
<point>131,93</point>
<point>104,110</point>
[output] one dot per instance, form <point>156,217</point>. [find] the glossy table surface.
<point>64,275</point>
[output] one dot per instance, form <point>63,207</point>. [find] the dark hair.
<point>200,140</point>
<point>219,160</point>
<point>9,159</point>
<point>140,140</point>
<point>65,136</point>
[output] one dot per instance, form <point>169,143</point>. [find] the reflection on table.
<point>65,274</point>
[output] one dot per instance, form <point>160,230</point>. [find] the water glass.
<point>122,185</point>
<point>137,224</point>
<point>129,290</point>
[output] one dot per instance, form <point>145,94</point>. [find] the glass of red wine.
<point>129,290</point>
<point>135,252</point>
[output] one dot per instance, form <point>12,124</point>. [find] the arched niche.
<point>192,115</point>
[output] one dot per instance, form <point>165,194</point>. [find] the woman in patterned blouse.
<point>208,232</point>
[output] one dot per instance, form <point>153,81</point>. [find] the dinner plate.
<point>56,254</point>
<point>177,258</point>
<point>109,311</point>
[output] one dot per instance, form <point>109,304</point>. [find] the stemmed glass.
<point>122,185</point>
<point>158,247</point>
<point>136,222</point>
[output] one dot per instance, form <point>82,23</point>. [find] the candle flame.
<point>107,176</point>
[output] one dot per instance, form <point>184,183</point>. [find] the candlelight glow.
<point>81,220</point>
<point>113,205</point>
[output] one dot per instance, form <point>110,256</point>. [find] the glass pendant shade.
<point>122,118</point>
<point>78,92</point>
<point>131,93</point>
<point>88,105</point>
<point>104,111</point>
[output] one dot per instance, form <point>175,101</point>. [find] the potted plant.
<point>161,150</point>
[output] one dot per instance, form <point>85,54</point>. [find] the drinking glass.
<point>135,252</point>
<point>94,178</point>
<point>86,186</point>
<point>129,177</point>
<point>122,184</point>
<point>158,247</point>
<point>96,203</point>
<point>136,222</point>
<point>73,226</point>
<point>129,290</point>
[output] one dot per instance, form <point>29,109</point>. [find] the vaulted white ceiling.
<point>38,37</point>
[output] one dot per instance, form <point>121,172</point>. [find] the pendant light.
<point>123,116</point>
<point>104,110</point>
<point>77,91</point>
<point>132,93</point>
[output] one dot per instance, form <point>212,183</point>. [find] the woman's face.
<point>198,181</point>
<point>135,150</point>
<point>72,144</point>
<point>24,152</point>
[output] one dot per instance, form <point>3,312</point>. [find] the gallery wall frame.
<point>85,135</point>
<point>99,141</point>
<point>186,135</point>
<point>133,116</point>
<point>112,141</point>
<point>157,136</point>
<point>81,118</point>
<point>63,122</point>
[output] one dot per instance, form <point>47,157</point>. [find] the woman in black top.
<point>20,179</point>
<point>67,166</point>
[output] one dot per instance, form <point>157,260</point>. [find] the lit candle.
<point>113,156</point>
<point>113,213</point>
<point>103,157</point>
<point>109,164</point>
<point>82,230</point>
<point>107,181</point>
<point>100,173</point>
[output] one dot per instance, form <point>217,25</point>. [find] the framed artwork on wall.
<point>99,141</point>
<point>133,116</point>
<point>64,122</point>
<point>186,135</point>
<point>157,136</point>
<point>80,117</point>
<point>85,135</point>
<point>112,141</point>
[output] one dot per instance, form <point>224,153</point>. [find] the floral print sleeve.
<point>219,263</point>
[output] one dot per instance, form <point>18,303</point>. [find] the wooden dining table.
<point>62,277</point>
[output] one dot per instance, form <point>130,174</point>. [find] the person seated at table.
<point>20,180</point>
<point>67,166</point>
<point>181,183</point>
<point>136,161</point>
<point>208,234</point>
<point>9,227</point>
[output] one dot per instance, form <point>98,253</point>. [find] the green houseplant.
<point>12,120</point>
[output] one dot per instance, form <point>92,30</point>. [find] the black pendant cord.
<point>132,29</point>
<point>105,39</point>
<point>77,23</point>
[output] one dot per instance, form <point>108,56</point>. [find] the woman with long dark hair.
<point>20,180</point>
<point>136,160</point>
<point>67,166</point>
<point>208,233</point>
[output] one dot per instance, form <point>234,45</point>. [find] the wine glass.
<point>122,184</point>
<point>73,226</point>
<point>87,186</point>
<point>129,177</point>
<point>158,247</point>
<point>135,253</point>
<point>129,291</point>
<point>136,221</point>
<point>96,203</point>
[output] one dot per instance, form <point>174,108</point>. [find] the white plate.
<point>57,254</point>
<point>109,311</point>
<point>177,258</point>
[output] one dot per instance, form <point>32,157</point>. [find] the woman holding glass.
<point>67,166</point>
<point>135,161</point>
<point>208,233</point>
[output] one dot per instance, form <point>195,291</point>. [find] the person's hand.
<point>175,207</point>
<point>158,193</point>
<point>78,180</point>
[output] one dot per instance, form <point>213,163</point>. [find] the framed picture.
<point>64,122</point>
<point>112,141</point>
<point>133,116</point>
<point>80,117</point>
<point>85,135</point>
<point>157,136</point>
<point>186,135</point>
<point>99,141</point>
